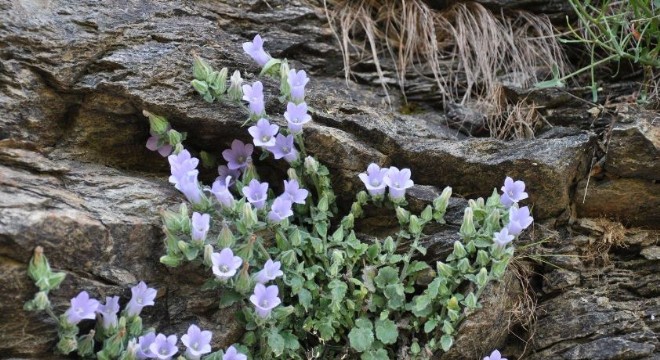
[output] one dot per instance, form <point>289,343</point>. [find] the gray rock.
<point>633,150</point>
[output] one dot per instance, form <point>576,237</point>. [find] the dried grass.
<point>469,51</point>
<point>610,234</point>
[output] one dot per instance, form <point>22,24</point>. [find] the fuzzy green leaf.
<point>386,331</point>
<point>361,339</point>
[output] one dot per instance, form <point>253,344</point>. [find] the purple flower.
<point>280,210</point>
<point>189,186</point>
<point>495,355</point>
<point>200,226</point>
<point>263,134</point>
<point>82,307</point>
<point>225,264</point>
<point>296,116</point>
<point>256,193</point>
<point>373,179</point>
<point>197,342</point>
<point>152,144</point>
<point>220,189</point>
<point>144,342</point>
<point>519,220</point>
<point>271,271</point>
<point>109,312</point>
<point>512,192</point>
<point>284,148</point>
<point>141,296</point>
<point>224,171</point>
<point>265,299</point>
<point>502,238</point>
<point>293,192</point>
<point>163,348</point>
<point>233,354</point>
<point>398,181</point>
<point>297,82</point>
<point>181,164</point>
<point>238,156</point>
<point>256,50</point>
<point>254,95</point>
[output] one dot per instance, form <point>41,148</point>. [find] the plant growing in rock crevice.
<point>303,283</point>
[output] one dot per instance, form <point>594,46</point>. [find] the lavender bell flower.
<point>163,348</point>
<point>221,191</point>
<point>519,220</point>
<point>200,226</point>
<point>238,156</point>
<point>109,311</point>
<point>254,95</point>
<point>256,193</point>
<point>141,296</point>
<point>144,342</point>
<point>181,164</point>
<point>225,264</point>
<point>373,179</point>
<point>280,210</point>
<point>256,50</point>
<point>284,148</point>
<point>271,271</point>
<point>189,186</point>
<point>265,299</point>
<point>152,144</point>
<point>297,82</point>
<point>197,342</point>
<point>495,355</point>
<point>296,116</point>
<point>224,171</point>
<point>263,134</point>
<point>398,181</point>
<point>233,354</point>
<point>512,192</point>
<point>294,193</point>
<point>82,307</point>
<point>502,237</point>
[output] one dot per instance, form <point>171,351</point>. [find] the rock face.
<point>76,178</point>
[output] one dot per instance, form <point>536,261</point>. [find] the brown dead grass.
<point>482,46</point>
<point>608,234</point>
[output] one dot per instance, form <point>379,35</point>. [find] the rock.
<point>559,279</point>
<point>651,253</point>
<point>633,150</point>
<point>637,200</point>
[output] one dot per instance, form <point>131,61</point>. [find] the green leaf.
<point>446,341</point>
<point>430,325</point>
<point>364,323</point>
<point>421,302</point>
<point>290,340</point>
<point>387,275</point>
<point>386,331</point>
<point>321,228</point>
<point>361,339</point>
<point>395,296</point>
<point>417,266</point>
<point>380,354</point>
<point>305,298</point>
<point>276,342</point>
<point>229,297</point>
<point>325,328</point>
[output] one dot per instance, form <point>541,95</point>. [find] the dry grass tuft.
<point>610,234</point>
<point>507,120</point>
<point>469,50</point>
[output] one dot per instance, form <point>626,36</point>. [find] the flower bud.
<point>492,222</point>
<point>171,221</point>
<point>445,269</point>
<point>471,301</point>
<point>470,247</point>
<point>348,221</point>
<point>468,231</point>
<point>178,148</point>
<point>482,277</point>
<point>356,209</point>
<point>415,227</point>
<point>427,214</point>
<point>388,245</point>
<point>441,202</point>
<point>362,197</point>
<point>67,344</point>
<point>201,70</point>
<point>244,282</point>
<point>38,267</point>
<point>131,351</point>
<point>285,89</point>
<point>218,83</point>
<point>170,260</point>
<point>403,215</point>
<point>135,326</point>
<point>493,200</point>
<point>174,137</point>
<point>157,124</point>
<point>271,67</point>
<point>208,251</point>
<point>459,251</point>
<point>248,216</point>
<point>200,86</point>
<point>311,165</point>
<point>482,258</point>
<point>183,246</point>
<point>463,266</point>
<point>40,302</point>
<point>225,238</point>
<point>235,91</point>
<point>86,344</point>
<point>250,173</point>
<point>452,304</point>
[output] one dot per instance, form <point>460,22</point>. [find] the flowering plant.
<point>305,282</point>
